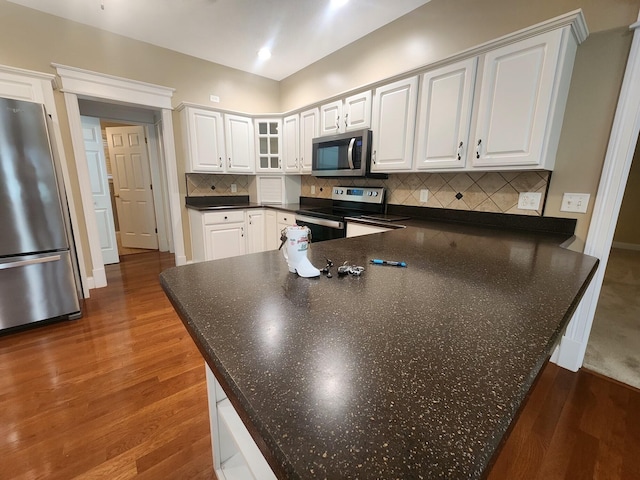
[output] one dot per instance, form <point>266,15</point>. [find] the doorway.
<point>614,344</point>
<point>117,92</point>
<point>124,230</point>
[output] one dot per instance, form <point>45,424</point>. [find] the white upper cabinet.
<point>216,142</point>
<point>357,111</point>
<point>500,108</point>
<point>330,115</point>
<point>350,113</point>
<point>291,143</point>
<point>309,129</point>
<point>203,139</point>
<point>268,142</point>
<point>239,144</point>
<point>393,125</point>
<point>521,103</point>
<point>442,134</point>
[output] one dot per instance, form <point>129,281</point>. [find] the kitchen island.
<point>413,372</point>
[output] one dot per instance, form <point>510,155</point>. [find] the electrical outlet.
<point>214,98</point>
<point>234,188</point>
<point>575,202</point>
<point>529,200</point>
<point>424,195</point>
<point>313,189</point>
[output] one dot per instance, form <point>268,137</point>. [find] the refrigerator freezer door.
<point>29,202</point>
<point>35,288</point>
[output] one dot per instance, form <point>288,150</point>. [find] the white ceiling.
<point>230,32</point>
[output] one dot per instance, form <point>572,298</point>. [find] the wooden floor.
<point>117,394</point>
<point>121,394</point>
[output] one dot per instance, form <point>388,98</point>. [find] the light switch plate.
<point>234,188</point>
<point>529,200</point>
<point>424,195</point>
<point>575,202</point>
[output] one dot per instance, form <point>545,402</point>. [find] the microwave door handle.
<point>350,153</point>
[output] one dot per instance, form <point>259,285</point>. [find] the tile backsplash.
<point>200,184</point>
<point>479,191</point>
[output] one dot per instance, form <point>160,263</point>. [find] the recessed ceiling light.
<point>264,54</point>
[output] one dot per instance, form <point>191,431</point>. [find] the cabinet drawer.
<point>288,218</point>
<point>229,216</point>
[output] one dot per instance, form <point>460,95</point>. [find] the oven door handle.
<point>350,153</point>
<point>321,221</point>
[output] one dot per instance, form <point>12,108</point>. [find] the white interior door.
<point>96,163</point>
<point>132,185</point>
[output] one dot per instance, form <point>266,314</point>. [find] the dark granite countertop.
<point>410,372</point>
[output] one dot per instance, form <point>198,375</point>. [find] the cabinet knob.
<point>220,159</point>
<point>460,151</point>
<point>242,231</point>
<point>338,122</point>
<point>229,162</point>
<point>478,148</point>
<point>374,157</point>
<point>346,117</point>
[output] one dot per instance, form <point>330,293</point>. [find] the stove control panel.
<point>359,194</point>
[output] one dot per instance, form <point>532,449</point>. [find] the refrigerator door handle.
<point>24,263</point>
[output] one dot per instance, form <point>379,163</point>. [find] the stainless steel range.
<point>326,218</point>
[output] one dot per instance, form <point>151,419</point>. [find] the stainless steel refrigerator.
<point>37,281</point>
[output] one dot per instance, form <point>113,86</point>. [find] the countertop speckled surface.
<point>410,372</point>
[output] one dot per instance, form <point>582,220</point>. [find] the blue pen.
<point>388,262</point>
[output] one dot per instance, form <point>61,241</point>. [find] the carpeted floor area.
<point>614,344</point>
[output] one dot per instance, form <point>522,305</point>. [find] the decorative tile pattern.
<point>480,191</point>
<point>205,184</point>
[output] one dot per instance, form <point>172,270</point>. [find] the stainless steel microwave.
<point>343,155</point>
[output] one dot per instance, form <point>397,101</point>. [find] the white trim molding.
<point>78,83</point>
<point>75,124</point>
<point>615,173</point>
<point>109,87</point>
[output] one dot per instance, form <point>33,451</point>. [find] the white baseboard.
<point>568,354</point>
<point>99,278</point>
<point>626,246</point>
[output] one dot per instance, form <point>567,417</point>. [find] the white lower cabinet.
<point>256,231</point>
<point>235,455</point>
<point>231,233</point>
<point>217,235</point>
<point>283,220</point>
<point>358,229</point>
<point>272,236</point>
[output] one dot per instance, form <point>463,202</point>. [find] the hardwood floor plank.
<point>587,426</point>
<point>89,398</point>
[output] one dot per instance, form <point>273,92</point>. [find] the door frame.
<point>615,173</point>
<point>79,83</point>
<point>114,113</point>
